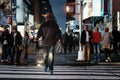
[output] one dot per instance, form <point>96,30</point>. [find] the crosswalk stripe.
<point>60,72</point>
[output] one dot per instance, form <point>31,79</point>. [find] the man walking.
<point>50,33</point>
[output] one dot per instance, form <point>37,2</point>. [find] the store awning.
<point>93,19</point>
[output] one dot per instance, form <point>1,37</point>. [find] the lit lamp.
<point>68,13</point>
<point>67,9</point>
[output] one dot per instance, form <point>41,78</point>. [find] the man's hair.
<point>5,26</point>
<point>14,28</point>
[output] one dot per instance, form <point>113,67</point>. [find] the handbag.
<point>58,47</point>
<point>21,47</point>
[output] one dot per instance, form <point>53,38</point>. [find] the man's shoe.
<point>109,60</point>
<point>88,61</point>
<point>106,60</point>
<point>51,72</point>
<point>45,69</point>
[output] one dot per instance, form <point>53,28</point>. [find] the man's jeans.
<point>86,51</point>
<point>15,52</point>
<point>96,47</point>
<point>49,57</point>
<point>4,51</point>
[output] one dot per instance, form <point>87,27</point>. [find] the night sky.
<point>58,7</point>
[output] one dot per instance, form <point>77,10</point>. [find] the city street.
<point>66,68</point>
<point>12,72</point>
<point>91,26</point>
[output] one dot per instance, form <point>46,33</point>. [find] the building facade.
<point>116,13</point>
<point>41,8</point>
<point>96,13</point>
<point>16,13</point>
<point>70,16</point>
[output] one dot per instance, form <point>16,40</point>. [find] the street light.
<point>80,52</point>
<point>68,10</point>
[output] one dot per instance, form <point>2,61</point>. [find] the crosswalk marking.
<point>60,72</point>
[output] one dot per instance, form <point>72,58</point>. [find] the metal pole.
<point>80,25</point>
<point>80,52</point>
<point>11,17</point>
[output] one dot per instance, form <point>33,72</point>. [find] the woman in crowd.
<point>96,36</point>
<point>106,44</point>
<point>25,45</point>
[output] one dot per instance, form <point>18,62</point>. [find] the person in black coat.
<point>70,42</point>
<point>51,34</point>
<point>65,42</point>
<point>5,40</point>
<point>116,39</point>
<point>86,42</point>
<point>16,40</point>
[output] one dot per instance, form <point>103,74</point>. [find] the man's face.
<point>5,29</point>
<point>14,31</point>
<point>86,28</point>
<point>47,18</point>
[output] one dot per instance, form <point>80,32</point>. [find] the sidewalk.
<point>71,59</point>
<point>36,57</point>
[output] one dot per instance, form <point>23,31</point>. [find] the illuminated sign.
<point>21,29</point>
<point>92,8</point>
<point>31,19</point>
<point>20,12</point>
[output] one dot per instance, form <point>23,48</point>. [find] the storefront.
<point>93,12</point>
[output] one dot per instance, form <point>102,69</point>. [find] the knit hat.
<point>48,15</point>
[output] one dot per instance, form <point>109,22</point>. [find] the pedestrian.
<point>86,42</point>
<point>16,44</point>
<point>106,44</point>
<point>65,42</point>
<point>70,43</point>
<point>96,38</point>
<point>25,42</point>
<point>50,33</point>
<point>115,39</point>
<point>5,40</point>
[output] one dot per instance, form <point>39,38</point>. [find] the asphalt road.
<point>13,72</point>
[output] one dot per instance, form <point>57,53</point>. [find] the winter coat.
<point>5,36</point>
<point>18,39</point>
<point>50,32</point>
<point>83,37</point>
<point>96,37</point>
<point>106,40</point>
<point>25,41</point>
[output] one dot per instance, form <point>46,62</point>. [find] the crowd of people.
<point>12,45</point>
<point>93,41</point>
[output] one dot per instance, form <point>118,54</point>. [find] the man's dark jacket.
<point>50,32</point>
<point>83,37</point>
<point>18,39</point>
<point>5,36</point>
